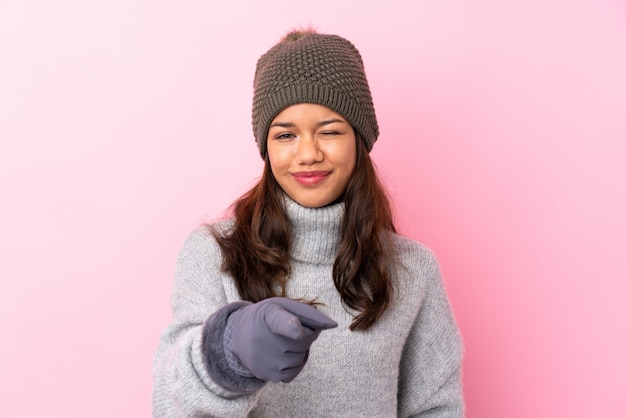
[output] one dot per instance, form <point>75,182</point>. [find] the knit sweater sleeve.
<point>430,373</point>
<point>183,387</point>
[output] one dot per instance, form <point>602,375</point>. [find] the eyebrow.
<point>291,124</point>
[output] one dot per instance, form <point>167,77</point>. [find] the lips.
<point>310,178</point>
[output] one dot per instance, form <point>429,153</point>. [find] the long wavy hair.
<point>256,249</point>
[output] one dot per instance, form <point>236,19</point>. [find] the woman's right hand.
<point>271,338</point>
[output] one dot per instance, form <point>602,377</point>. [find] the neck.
<point>315,231</point>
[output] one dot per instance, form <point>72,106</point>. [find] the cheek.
<point>347,157</point>
<point>274,159</point>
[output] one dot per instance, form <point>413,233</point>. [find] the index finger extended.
<point>307,314</point>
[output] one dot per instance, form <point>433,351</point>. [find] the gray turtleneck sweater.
<point>408,364</point>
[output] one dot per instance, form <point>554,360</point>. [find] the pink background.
<point>124,124</point>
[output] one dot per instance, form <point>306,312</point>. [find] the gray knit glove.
<point>270,339</point>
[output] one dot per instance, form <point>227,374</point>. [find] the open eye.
<point>284,136</point>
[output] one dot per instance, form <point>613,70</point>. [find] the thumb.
<point>282,322</point>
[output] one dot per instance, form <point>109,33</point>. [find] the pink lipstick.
<point>310,178</point>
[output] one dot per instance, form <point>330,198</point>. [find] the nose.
<point>309,151</point>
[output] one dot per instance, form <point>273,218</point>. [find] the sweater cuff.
<point>215,359</point>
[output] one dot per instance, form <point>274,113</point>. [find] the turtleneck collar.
<point>315,231</point>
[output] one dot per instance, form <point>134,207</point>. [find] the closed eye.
<point>329,134</point>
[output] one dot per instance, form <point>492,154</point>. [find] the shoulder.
<point>412,254</point>
<point>205,234</point>
<point>198,267</point>
<point>201,242</point>
<point>416,268</point>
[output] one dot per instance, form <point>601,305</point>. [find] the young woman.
<point>307,303</point>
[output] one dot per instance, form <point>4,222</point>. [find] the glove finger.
<point>287,345</point>
<point>308,315</point>
<point>289,366</point>
<point>282,322</point>
<point>292,366</point>
<point>286,375</point>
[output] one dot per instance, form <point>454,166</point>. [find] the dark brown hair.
<point>256,249</point>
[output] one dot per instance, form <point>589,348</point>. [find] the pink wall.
<point>125,124</point>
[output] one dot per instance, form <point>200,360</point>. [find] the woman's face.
<point>312,153</point>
